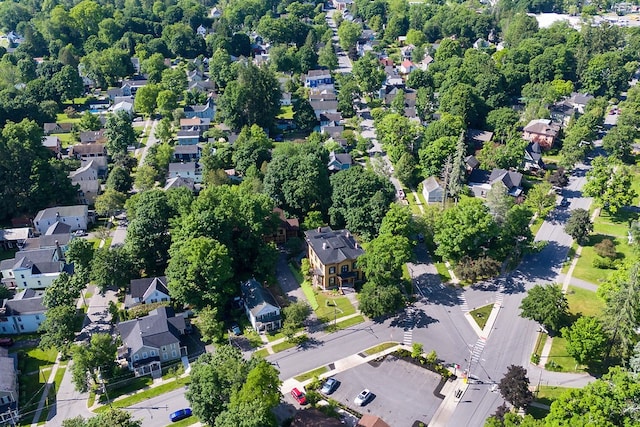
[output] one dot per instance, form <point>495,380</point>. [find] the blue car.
<point>180,415</point>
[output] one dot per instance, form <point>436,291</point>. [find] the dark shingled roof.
<point>256,297</point>
<point>160,327</point>
<point>141,288</point>
<point>333,247</point>
<point>26,302</point>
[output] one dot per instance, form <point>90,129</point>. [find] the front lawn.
<point>146,394</point>
<point>481,315</point>
<point>584,268</point>
<point>308,375</point>
<point>285,345</point>
<point>583,301</point>
<point>345,323</point>
<point>34,359</point>
<point>559,357</point>
<point>443,272</point>
<point>332,306</point>
<point>286,112</point>
<point>614,225</point>
<point>380,347</point>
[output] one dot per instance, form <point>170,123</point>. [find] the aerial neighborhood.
<point>318,213</point>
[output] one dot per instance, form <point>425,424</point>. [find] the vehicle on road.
<point>299,396</point>
<point>363,397</point>
<point>401,195</point>
<point>80,233</point>
<point>564,202</point>
<point>236,329</point>
<point>329,386</point>
<point>180,415</point>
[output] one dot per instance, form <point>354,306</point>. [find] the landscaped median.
<point>147,393</point>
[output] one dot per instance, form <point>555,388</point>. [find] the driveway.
<point>403,392</point>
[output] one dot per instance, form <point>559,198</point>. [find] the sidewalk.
<point>45,393</point>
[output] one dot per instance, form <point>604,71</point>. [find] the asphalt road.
<point>155,411</point>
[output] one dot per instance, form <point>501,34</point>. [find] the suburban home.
<point>261,308</point>
<point>579,101</point>
<point>205,111</point>
<point>215,13</point>
<point>188,137</point>
<point>476,138</point>
<point>149,341</point>
<point>34,269</point>
<point>332,130</point>
<point>11,238</point>
<point>147,291</point>
<point>322,107</point>
<point>179,182</point>
<point>333,257</point>
<point>187,153</point>
<point>8,388</point>
<point>50,128</point>
<point>426,61</point>
<point>201,31</point>
<point>471,163</point>
<point>202,86</point>
<point>432,191</point>
<point>114,92</point>
<point>191,170</point>
<point>481,181</point>
<point>341,4</point>
<point>287,228</point>
<point>407,67</point>
<point>22,314</point>
<point>130,87</point>
<point>318,79</point>
<point>541,131</point>
<point>93,136</point>
<point>52,143</point>
<point>285,99</point>
<point>57,235</point>
<point>330,119</point>
<point>125,106</point>
<point>339,161</point>
<point>99,104</point>
<point>195,124</point>
<point>533,158</point>
<point>86,179</point>
<point>96,152</point>
<point>75,216</point>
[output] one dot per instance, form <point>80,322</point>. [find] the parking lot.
<point>402,392</point>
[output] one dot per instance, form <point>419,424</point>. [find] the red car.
<point>299,396</point>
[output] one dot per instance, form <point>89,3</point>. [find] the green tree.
<point>348,34</point>
<point>209,324</point>
<point>145,177</point>
<point>304,116</point>
<point>503,122</point>
<point>618,141</point>
<point>119,133</point>
<point>368,73</point>
<point>167,102</point>
<point>89,121</point>
<point>111,417</point>
<point>164,130</point>
<point>620,318</point>
<point>58,328</point>
<point>540,198</point>
<point>382,262</point>
<point>546,305</point>
<point>109,202</point>
<point>251,148</point>
<point>295,315</point>
<point>327,57</point>
<point>119,179</point>
<point>579,225</point>
<point>111,268</point>
<point>146,99</point>
<point>609,183</point>
<point>434,154</point>
<point>405,170</point>
<point>462,100</point>
<point>100,355</point>
<point>514,387</point>
<point>379,300</point>
<point>398,135</point>
<point>80,253</point>
<point>200,273</point>
<point>586,340</point>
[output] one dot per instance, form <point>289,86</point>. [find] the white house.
<point>147,291</point>
<point>125,106</point>
<point>23,314</point>
<point>11,238</point>
<point>75,216</point>
<point>34,269</point>
<point>86,178</point>
<point>191,170</point>
<point>432,191</point>
<point>261,308</point>
<point>8,388</point>
<point>318,79</point>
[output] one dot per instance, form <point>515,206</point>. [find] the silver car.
<point>363,397</point>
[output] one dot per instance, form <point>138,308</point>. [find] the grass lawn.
<point>133,385</point>
<point>57,380</point>
<point>31,389</point>
<point>34,359</point>
<point>261,353</point>
<point>583,301</point>
<point>285,345</point>
<point>536,225</point>
<point>345,323</point>
<point>286,112</point>
<point>331,306</point>
<point>549,393</point>
<point>561,358</point>
<point>614,225</point>
<point>540,342</point>
<point>296,273</point>
<point>147,394</point>
<point>584,268</point>
<point>62,118</point>
<point>380,347</point>
<point>186,422</point>
<point>308,375</point>
<point>481,315</point>
<point>307,288</point>
<point>253,337</point>
<point>66,139</point>
<point>415,209</point>
<point>443,272</point>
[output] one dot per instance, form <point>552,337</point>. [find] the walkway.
<point>45,393</point>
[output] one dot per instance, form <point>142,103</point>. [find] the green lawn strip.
<point>481,315</point>
<point>412,204</point>
<point>92,399</point>
<point>583,301</point>
<point>345,323</point>
<point>635,185</point>
<point>33,359</point>
<point>443,272</point>
<point>63,118</point>
<point>146,394</point>
<point>567,262</point>
<point>535,227</point>
<point>261,353</point>
<point>614,225</point>
<point>286,112</point>
<point>380,347</point>
<point>560,357</point>
<point>276,336</point>
<point>421,199</point>
<point>285,345</point>
<point>296,273</point>
<point>186,422</point>
<point>546,394</point>
<point>31,389</point>
<point>252,336</point>
<point>405,272</point>
<point>584,268</point>
<point>308,375</point>
<point>57,380</point>
<point>540,342</point>
<point>133,385</point>
<point>332,307</point>
<point>307,288</point>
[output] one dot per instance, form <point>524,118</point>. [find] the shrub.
<point>603,263</point>
<point>432,357</point>
<point>535,358</point>
<point>606,249</point>
<point>314,384</point>
<point>552,366</point>
<point>144,309</point>
<point>313,397</point>
<point>416,350</point>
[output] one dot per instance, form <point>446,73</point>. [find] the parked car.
<point>80,233</point>
<point>363,397</point>
<point>329,386</point>
<point>401,194</point>
<point>180,415</point>
<point>236,329</point>
<point>6,342</point>
<point>299,396</point>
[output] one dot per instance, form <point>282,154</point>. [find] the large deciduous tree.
<point>368,73</point>
<point>514,387</point>
<point>58,328</point>
<point>379,300</point>
<point>251,148</point>
<point>609,183</point>
<point>99,354</point>
<point>119,133</point>
<point>586,340</point>
<point>112,267</point>
<point>382,262</point>
<point>579,225</point>
<point>111,417</point>
<point>546,305</point>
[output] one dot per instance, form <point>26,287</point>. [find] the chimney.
<point>324,245</point>
<point>319,229</point>
<point>59,251</point>
<point>356,245</point>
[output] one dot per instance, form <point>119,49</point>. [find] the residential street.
<point>155,411</point>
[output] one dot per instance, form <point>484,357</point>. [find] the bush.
<point>603,263</point>
<point>553,366</point>
<point>313,397</point>
<point>416,350</point>
<point>606,249</point>
<point>314,384</point>
<point>144,309</point>
<point>535,358</point>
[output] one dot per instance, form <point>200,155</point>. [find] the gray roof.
<point>8,375</point>
<point>58,228</point>
<point>581,98</point>
<point>333,247</point>
<point>142,288</point>
<point>160,327</point>
<point>534,151</point>
<point>509,178</point>
<point>182,167</point>
<point>46,241</point>
<point>187,149</point>
<point>178,182</point>
<point>430,184</point>
<point>188,133</point>
<point>64,211</point>
<point>324,105</point>
<point>91,136</point>
<point>472,162</point>
<point>323,96</point>
<point>257,298</point>
<point>14,234</point>
<point>26,302</point>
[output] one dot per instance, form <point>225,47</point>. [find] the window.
<point>37,317</point>
<point>332,270</point>
<point>165,356</point>
<point>164,348</point>
<point>25,284</point>
<point>39,283</point>
<point>153,353</point>
<point>144,355</point>
<point>354,266</point>
<point>22,276</point>
<point>174,353</point>
<point>135,357</point>
<point>19,319</point>
<point>345,268</point>
<point>332,280</point>
<point>22,327</point>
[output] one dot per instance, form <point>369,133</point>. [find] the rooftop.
<point>333,247</point>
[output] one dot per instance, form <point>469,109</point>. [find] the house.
<point>471,163</point>
<point>99,104</point>
<point>11,238</point>
<point>86,179</point>
<point>330,119</point>
<point>432,191</point>
<point>562,111</point>
<point>76,216</point>
<point>261,308</point>
<point>203,86</point>
<point>476,138</point>
<point>204,111</point>
<point>149,341</point>
<point>35,269</point>
<point>179,182</point>
<point>130,87</point>
<point>481,181</point>
<point>93,136</point>
<point>8,388</point>
<point>195,124</point>
<point>50,128</point>
<point>52,143</point>
<point>125,106</point>
<point>287,228</point>
<point>369,420</point>
<point>333,257</point>
<point>57,235</point>
<point>541,131</point>
<point>22,314</point>
<point>135,61</point>
<point>426,61</point>
<point>285,99</point>
<point>407,67</point>
<point>481,44</point>
<point>191,170</point>
<point>187,153</point>
<point>339,161</point>
<point>406,51</point>
<point>215,13</point>
<point>331,130</point>
<point>341,4</point>
<point>201,31</point>
<point>320,107</point>
<point>188,137</point>
<point>91,152</point>
<point>533,158</point>
<point>147,291</point>
<point>579,101</point>
<point>318,79</point>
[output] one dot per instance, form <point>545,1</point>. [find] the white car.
<point>363,397</point>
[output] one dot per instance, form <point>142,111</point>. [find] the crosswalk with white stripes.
<point>462,302</point>
<point>477,349</point>
<point>409,324</point>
